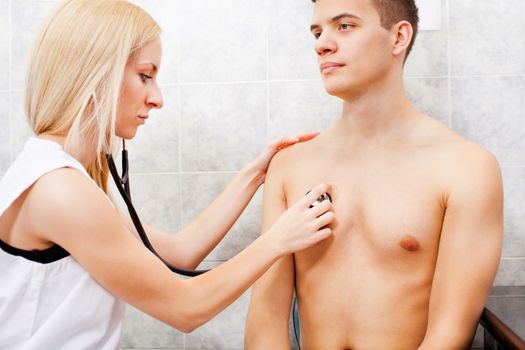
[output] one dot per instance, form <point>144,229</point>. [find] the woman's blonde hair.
<point>76,70</point>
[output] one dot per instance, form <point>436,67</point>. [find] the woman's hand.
<point>302,226</point>
<point>262,162</point>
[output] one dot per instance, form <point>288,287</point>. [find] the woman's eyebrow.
<point>153,66</point>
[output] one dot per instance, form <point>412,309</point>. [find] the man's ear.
<point>403,33</point>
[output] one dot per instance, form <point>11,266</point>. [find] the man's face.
<point>353,50</point>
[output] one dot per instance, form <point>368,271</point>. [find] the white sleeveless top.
<point>47,299</point>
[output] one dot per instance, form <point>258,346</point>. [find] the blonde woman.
<point>68,259</point>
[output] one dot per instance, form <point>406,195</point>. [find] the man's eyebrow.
<point>335,19</point>
<point>153,66</point>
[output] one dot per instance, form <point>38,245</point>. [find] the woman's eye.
<point>144,77</point>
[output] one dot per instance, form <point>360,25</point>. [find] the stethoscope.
<point>122,183</point>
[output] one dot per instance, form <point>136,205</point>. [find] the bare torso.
<point>368,287</point>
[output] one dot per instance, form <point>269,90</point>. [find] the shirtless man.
<point>418,226</point>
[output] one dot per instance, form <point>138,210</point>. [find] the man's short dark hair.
<point>394,11</point>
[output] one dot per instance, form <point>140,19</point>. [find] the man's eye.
<point>317,35</point>
<point>345,26</point>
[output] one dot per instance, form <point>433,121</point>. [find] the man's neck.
<point>381,114</point>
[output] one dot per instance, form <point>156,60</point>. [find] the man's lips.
<point>329,67</point>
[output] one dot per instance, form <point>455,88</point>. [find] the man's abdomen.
<point>353,296</point>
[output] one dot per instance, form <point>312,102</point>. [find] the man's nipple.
<point>409,243</point>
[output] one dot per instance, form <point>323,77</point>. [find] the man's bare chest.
<point>391,212</point>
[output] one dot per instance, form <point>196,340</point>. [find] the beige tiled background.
<point>237,73</point>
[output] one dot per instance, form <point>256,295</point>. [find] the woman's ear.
<point>403,33</point>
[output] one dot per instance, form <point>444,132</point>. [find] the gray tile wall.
<point>237,73</point>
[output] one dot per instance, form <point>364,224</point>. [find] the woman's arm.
<point>195,241</point>
<point>67,209</point>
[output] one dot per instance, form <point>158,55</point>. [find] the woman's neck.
<point>84,152</point>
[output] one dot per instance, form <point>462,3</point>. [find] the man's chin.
<point>342,90</point>
<point>336,90</point>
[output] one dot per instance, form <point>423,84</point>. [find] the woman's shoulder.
<point>66,189</point>
<point>63,199</point>
<point>59,184</point>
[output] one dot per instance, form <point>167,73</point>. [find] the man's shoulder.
<point>463,152</point>
<point>454,157</point>
<point>466,164</point>
<point>473,161</point>
<point>293,156</point>
<point>455,147</point>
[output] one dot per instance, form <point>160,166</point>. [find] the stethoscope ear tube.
<point>123,188</point>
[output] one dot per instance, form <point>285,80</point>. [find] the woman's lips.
<point>329,67</point>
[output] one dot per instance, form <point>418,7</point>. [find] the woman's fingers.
<point>282,144</point>
<point>324,219</point>
<point>321,208</point>
<point>300,226</point>
<point>289,141</point>
<point>315,193</point>
<point>322,234</point>
<point>309,136</point>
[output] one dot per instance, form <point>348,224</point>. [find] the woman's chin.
<point>126,134</point>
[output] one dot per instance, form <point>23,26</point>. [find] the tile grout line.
<point>449,65</point>
<point>179,173</point>
<point>487,76</point>
<point>513,258</point>
<point>9,84</point>
<point>448,75</point>
<point>229,172</point>
<point>223,172</point>
<point>232,172</point>
<point>267,70</point>
<point>180,134</point>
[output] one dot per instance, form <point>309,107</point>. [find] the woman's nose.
<point>155,99</point>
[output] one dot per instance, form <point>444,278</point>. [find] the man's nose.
<point>325,44</point>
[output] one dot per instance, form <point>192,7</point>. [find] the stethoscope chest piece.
<point>324,197</point>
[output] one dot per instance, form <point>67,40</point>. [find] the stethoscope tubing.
<point>124,190</point>
<point>123,187</point>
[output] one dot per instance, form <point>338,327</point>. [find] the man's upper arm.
<point>469,252</point>
<point>268,315</point>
